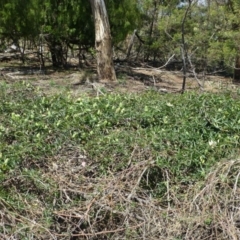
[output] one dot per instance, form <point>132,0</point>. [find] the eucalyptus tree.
<point>103,41</point>
<point>67,22</point>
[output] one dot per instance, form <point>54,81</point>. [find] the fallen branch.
<point>194,73</point>
<point>99,233</point>
<point>163,66</point>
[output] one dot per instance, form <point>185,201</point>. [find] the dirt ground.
<point>131,79</point>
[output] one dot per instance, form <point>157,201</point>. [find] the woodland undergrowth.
<point>119,166</point>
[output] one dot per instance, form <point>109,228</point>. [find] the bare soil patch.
<point>131,79</point>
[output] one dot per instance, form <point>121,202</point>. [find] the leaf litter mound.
<point>70,200</point>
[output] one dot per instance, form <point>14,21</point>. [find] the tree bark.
<point>183,47</point>
<point>237,69</point>
<point>130,45</point>
<point>103,42</point>
<point>56,50</point>
<point>153,20</point>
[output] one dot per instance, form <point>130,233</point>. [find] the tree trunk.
<point>154,19</point>
<point>103,41</point>
<point>57,53</point>
<point>56,50</point>
<point>183,47</point>
<point>237,69</point>
<point>130,45</point>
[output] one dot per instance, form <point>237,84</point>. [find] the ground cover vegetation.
<point>125,159</point>
<point>118,166</point>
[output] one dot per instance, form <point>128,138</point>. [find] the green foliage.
<point>211,33</point>
<point>68,20</point>
<point>19,18</point>
<point>64,20</point>
<point>186,134</point>
<point>124,17</point>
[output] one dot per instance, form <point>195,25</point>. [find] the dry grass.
<point>118,206</point>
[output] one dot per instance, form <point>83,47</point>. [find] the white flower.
<point>169,104</point>
<point>212,143</point>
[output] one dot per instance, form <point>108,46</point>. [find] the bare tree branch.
<point>163,66</point>
<point>183,47</point>
<point>194,72</point>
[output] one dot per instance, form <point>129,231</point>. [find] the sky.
<point>200,2</point>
